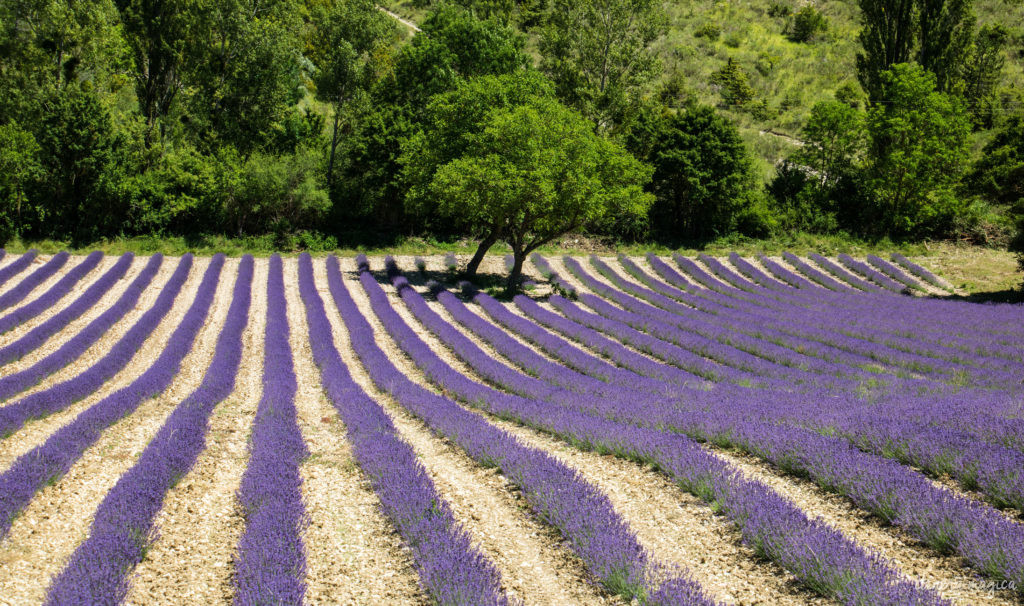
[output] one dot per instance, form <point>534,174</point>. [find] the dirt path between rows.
<point>535,567</point>
<point>199,524</point>
<point>352,553</point>
<point>58,519</point>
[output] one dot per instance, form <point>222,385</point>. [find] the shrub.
<point>807,24</point>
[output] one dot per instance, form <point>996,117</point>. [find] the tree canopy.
<point>536,171</point>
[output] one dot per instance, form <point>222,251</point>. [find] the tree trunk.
<point>334,147</point>
<point>512,287</point>
<point>478,257</point>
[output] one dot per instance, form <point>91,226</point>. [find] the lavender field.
<point>631,430</point>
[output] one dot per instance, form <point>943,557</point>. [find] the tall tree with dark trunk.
<point>350,36</point>
<point>159,33</point>
<point>887,37</point>
<point>598,53</point>
<point>945,32</point>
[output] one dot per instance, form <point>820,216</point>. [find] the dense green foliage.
<point>327,120</point>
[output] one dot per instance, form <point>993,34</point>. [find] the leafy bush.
<point>807,23</point>
<point>779,9</point>
<point>711,31</point>
<point>702,172</point>
<point>733,84</point>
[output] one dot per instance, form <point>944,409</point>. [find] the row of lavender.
<point>769,523</point>
<point>997,470</point>
<point>270,559</point>
<point>876,583</point>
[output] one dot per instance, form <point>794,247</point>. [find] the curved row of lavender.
<point>822,558</point>
<point>554,492</point>
<point>22,289</point>
<point>829,334</point>
<point>52,459</point>
<point>918,271</point>
<point>869,273</point>
<point>947,523</point>
<point>47,299</point>
<point>893,272</point>
<point>995,470</point>
<point>451,569</point>
<point>16,266</point>
<point>122,527</point>
<point>63,394</point>
<point>270,566</point>
<point>38,335</point>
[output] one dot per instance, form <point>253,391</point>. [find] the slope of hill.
<point>787,77</point>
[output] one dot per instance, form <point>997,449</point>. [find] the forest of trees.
<point>327,121</point>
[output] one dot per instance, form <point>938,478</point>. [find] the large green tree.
<point>937,34</point>
<point>537,171</point>
<point>918,151</point>
<point>160,35</point>
<point>598,53</point>
<point>887,37</point>
<point>834,142</point>
<point>19,167</point>
<point>452,121</point>
<point>454,46</point>
<point>702,171</point>
<point>250,73</point>
<point>945,33</point>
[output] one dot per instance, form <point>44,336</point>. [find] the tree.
<point>998,175</point>
<point>250,73</point>
<point>78,151</point>
<point>454,46</point>
<point>452,120</point>
<point>702,172</point>
<point>734,85</point>
<point>918,150</point>
<point>537,171</point>
<point>946,29</point>
<point>19,166</point>
<point>807,23</point>
<point>158,33</point>
<point>350,35</point>
<point>598,53</point>
<point>834,141</point>
<point>887,37</point>
<point>935,33</point>
<point>984,71</point>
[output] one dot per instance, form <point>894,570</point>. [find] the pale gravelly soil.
<point>533,565</point>
<point>34,432</point>
<point>353,555</point>
<point>43,286</point>
<point>199,525</point>
<point>22,329</point>
<point>916,561</point>
<point>58,519</point>
<point>18,277</point>
<point>675,526</point>
<point>105,342</point>
<point>85,282</point>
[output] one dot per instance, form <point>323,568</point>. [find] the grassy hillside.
<point>788,77</point>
